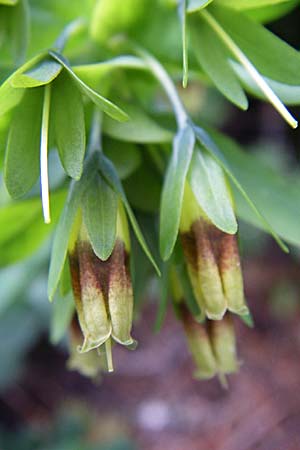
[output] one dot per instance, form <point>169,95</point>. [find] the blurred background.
<point>152,402</point>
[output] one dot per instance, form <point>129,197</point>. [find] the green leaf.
<point>209,186</point>
<point>9,96</point>
<point>140,128</point>
<point>104,104</point>
<point>214,149</point>
<point>250,4</point>
<point>272,12</point>
<point>126,157</point>
<point>43,73</point>
<point>163,298</point>
<point>276,195</point>
<point>172,194</point>
<point>62,313</point>
<point>65,284</point>
<point>8,2</point>
<point>67,115</point>
<point>289,94</point>
<point>95,74</point>
<point>213,57</point>
<point>196,5</point>
<point>108,171</point>
<point>22,229</point>
<point>272,57</point>
<point>21,168</point>
<point>19,30</point>
<point>100,206</point>
<point>62,236</point>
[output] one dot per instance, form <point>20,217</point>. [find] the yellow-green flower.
<point>89,364</point>
<point>102,289</point>
<point>212,260</point>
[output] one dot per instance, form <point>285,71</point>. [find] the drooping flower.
<point>102,289</point>
<point>212,260</point>
<point>212,345</point>
<point>89,364</point>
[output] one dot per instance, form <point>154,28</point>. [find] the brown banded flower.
<point>212,260</point>
<point>212,345</point>
<point>89,364</point>
<point>102,289</point>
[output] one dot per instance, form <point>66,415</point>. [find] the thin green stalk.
<point>182,12</point>
<point>251,69</point>
<point>95,143</point>
<point>44,155</point>
<point>70,30</point>
<point>165,80</point>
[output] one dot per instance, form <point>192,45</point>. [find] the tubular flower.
<point>89,364</point>
<point>212,260</point>
<point>102,289</point>
<point>212,345</point>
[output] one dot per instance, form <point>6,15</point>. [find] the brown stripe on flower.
<point>208,271</point>
<point>120,296</point>
<point>93,315</point>
<point>74,271</point>
<point>232,279</point>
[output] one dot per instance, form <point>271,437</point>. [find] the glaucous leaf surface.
<point>21,167</point>
<point>67,117</point>
<point>209,185</point>
<point>100,206</point>
<point>172,194</point>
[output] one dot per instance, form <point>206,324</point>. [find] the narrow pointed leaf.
<point>213,57</point>
<point>276,193</point>
<point>205,139</point>
<point>21,167</point>
<point>100,205</point>
<point>209,186</point>
<point>19,30</point>
<point>67,116</point>
<point>273,57</point>
<point>288,93</point>
<point>9,96</point>
<point>62,313</point>
<point>105,105</point>
<point>163,298</point>
<point>172,195</point>
<point>42,74</point>
<point>196,5</point>
<point>109,172</point>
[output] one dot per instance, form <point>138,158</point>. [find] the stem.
<point>251,69</point>
<point>185,59</point>
<point>95,133</point>
<point>44,155</point>
<point>70,30</point>
<point>165,80</point>
<point>108,352</point>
